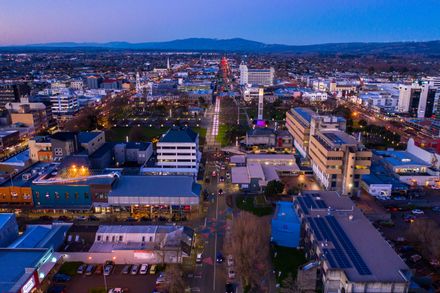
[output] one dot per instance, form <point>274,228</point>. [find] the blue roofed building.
<point>286,226</point>
<point>43,236</point>
<point>155,195</point>
<point>8,229</point>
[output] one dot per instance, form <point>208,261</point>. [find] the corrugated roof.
<point>181,186</point>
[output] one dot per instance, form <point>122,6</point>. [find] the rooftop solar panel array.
<point>334,138</point>
<point>343,254</point>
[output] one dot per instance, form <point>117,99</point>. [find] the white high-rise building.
<point>260,103</point>
<point>177,153</point>
<point>417,99</point>
<point>263,77</point>
<point>65,103</point>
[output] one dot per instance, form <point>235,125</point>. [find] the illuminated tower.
<point>138,83</point>
<point>260,103</point>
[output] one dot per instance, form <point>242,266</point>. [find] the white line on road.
<point>215,244</point>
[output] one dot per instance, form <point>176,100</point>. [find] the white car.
<point>231,273</point>
<point>417,212</point>
<point>144,269</point>
<point>230,260</point>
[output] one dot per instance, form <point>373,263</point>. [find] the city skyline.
<point>286,22</point>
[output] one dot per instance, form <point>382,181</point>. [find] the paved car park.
<point>134,283</point>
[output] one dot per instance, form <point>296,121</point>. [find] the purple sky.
<point>270,21</point>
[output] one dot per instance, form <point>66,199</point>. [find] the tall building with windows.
<point>304,122</point>
<point>11,93</point>
<point>263,76</point>
<point>64,104</point>
<point>338,161</point>
<point>418,98</point>
<point>177,153</point>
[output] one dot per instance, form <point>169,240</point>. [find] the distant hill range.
<point>242,45</point>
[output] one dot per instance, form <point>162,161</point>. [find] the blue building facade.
<point>62,196</point>
<point>8,229</point>
<point>286,226</point>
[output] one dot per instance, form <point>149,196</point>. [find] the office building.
<point>264,77</point>
<point>11,93</point>
<point>94,82</point>
<point>304,122</point>
<point>32,115</point>
<point>64,104</point>
<point>351,253</point>
<point>417,99</point>
<point>9,138</point>
<point>338,160</point>
<point>177,153</point>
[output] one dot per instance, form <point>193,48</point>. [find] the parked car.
<point>229,288</point>
<point>61,278</point>
<point>46,218</point>
<point>230,260</point>
<point>81,218</point>
<point>80,270</point>
<point>64,218</point>
<point>134,269</point>
<point>93,218</point>
<point>408,218</point>
<point>436,209</point>
<point>160,279</point>
<point>153,269</point>
<point>89,270</point>
<point>99,269</point>
<point>144,269</point>
<point>199,258</point>
<point>219,258</point>
<point>222,179</point>
<point>118,290</point>
<point>417,212</point>
<point>126,269</point>
<point>231,273</point>
<point>108,268</point>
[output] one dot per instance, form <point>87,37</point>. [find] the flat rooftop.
<point>401,158</point>
<point>285,212</point>
<point>341,230</point>
<point>4,218</point>
<point>25,177</point>
<point>305,113</point>
<point>169,186</point>
<point>14,262</point>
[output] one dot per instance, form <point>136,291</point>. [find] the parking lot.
<point>134,283</point>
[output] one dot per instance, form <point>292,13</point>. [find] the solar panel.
<point>334,138</point>
<point>303,205</point>
<point>310,202</point>
<point>351,251</point>
<point>315,229</point>
<point>330,258</point>
<point>321,204</point>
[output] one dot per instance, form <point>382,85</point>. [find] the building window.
<point>86,195</point>
<point>58,151</point>
<point>57,195</point>
<point>143,238</point>
<point>47,195</point>
<point>37,194</point>
<point>99,238</point>
<point>151,238</point>
<point>76,196</point>
<point>120,238</point>
<point>66,195</point>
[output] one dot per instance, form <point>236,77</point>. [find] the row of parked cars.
<point>107,269</point>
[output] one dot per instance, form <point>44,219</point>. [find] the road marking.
<point>215,245</point>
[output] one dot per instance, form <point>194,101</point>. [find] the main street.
<point>210,276</point>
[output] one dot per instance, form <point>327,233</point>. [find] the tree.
<point>273,187</point>
<point>288,285</point>
<point>426,233</point>
<point>173,279</point>
<point>249,245</point>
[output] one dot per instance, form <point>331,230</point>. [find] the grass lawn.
<point>221,136</point>
<point>287,261</point>
<point>118,134</point>
<point>247,203</point>
<point>69,268</point>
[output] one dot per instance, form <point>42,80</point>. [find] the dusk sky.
<point>276,21</point>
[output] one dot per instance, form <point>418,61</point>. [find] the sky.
<point>293,22</point>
